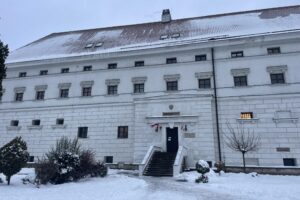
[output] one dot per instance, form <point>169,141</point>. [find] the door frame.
<point>164,136</point>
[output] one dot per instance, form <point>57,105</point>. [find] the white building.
<point>128,90</point>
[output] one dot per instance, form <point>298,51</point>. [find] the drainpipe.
<point>216,103</point>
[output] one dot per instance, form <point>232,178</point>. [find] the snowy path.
<point>124,185</point>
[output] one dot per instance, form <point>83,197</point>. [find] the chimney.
<point>166,15</point>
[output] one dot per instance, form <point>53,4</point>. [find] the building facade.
<point>172,84</point>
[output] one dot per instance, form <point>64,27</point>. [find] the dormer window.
<point>89,45</point>
<point>99,44</point>
<point>175,35</point>
<point>163,37</point>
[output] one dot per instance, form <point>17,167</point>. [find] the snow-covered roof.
<point>113,39</point>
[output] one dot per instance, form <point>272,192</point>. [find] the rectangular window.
<point>112,89</point>
<point>240,81</point>
<point>87,68</point>
<point>277,78</point>
<point>112,66</point>
<point>43,72</point>
<point>22,74</point>
<point>87,91</point>
<point>40,95</point>
<point>204,83</point>
<point>14,123</point>
<point>237,54</point>
<point>200,57</point>
<point>60,121</point>
<point>64,93</point>
<point>108,159</point>
<point>246,115</point>
<point>36,122</point>
<point>138,88</point>
<point>19,96</point>
<point>274,50</point>
<point>171,60</point>
<point>139,63</point>
<point>289,162</point>
<point>31,159</point>
<point>64,70</point>
<point>123,132</point>
<point>82,132</point>
<point>172,85</point>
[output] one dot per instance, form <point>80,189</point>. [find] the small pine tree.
<point>13,157</point>
<point>3,55</point>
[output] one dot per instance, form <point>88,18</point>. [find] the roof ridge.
<point>180,19</point>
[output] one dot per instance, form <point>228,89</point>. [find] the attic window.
<point>175,35</point>
<point>99,44</point>
<point>163,37</point>
<point>90,45</point>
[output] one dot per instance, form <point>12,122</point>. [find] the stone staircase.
<point>161,164</point>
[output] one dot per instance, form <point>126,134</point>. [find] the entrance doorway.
<point>172,139</point>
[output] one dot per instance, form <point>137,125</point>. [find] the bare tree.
<point>242,140</point>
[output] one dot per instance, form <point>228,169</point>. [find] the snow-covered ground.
<point>121,185</point>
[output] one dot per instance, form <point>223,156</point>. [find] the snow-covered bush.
<point>13,157</point>
<point>68,162</point>
<point>202,167</point>
<point>220,165</point>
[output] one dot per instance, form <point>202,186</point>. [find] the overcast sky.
<point>23,21</point>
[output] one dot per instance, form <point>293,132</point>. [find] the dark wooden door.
<point>172,140</point>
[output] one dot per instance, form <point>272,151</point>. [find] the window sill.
<point>86,96</point>
<point>35,127</point>
<point>111,95</point>
<point>247,121</point>
<point>279,84</point>
<point>204,89</point>
<point>139,93</point>
<point>59,126</point>
<point>62,98</point>
<point>171,91</point>
<point>286,120</point>
<point>13,128</point>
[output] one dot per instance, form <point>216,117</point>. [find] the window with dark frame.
<point>36,122</point>
<point>14,123</point>
<point>122,131</point>
<point>87,68</point>
<point>172,85</point>
<point>289,162</point>
<point>60,121</point>
<point>273,50</point>
<point>200,57</point>
<point>138,87</point>
<point>64,93</point>
<point>112,89</point>
<point>240,81</point>
<point>171,60</point>
<point>43,72</point>
<point>22,74</point>
<point>65,70</point>
<point>40,95</point>
<point>112,66</point>
<point>204,83</point>
<point>31,159</point>
<point>108,159</point>
<point>246,115</point>
<point>237,54</point>
<point>19,96</point>
<point>82,132</point>
<point>277,78</point>
<point>139,63</point>
<point>87,91</point>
